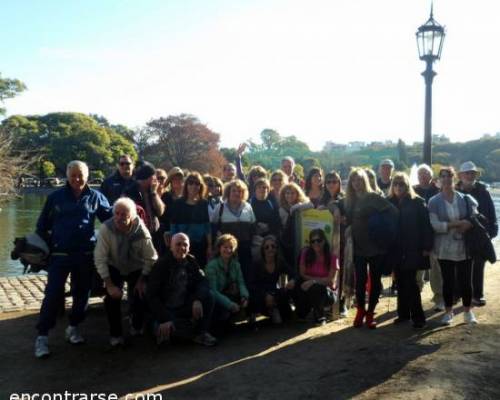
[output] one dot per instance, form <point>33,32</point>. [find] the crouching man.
<point>124,253</point>
<point>178,293</point>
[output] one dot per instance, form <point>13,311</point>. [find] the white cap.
<point>387,161</point>
<point>468,166</point>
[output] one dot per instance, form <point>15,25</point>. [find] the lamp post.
<point>430,37</point>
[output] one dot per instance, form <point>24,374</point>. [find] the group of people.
<point>198,252</point>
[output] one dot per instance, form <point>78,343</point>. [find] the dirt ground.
<point>295,361</point>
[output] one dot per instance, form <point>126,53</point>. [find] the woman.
<point>256,172</point>
<point>292,199</point>
<point>314,185</point>
<point>214,192</point>
<point>448,211</point>
<point>226,280</point>
<point>278,180</point>
<point>372,178</point>
<point>268,294</point>
<point>190,216</point>
<point>411,250</point>
<point>362,207</point>
<point>266,215</point>
<point>174,186</point>
<point>235,216</point>
<point>318,268</point>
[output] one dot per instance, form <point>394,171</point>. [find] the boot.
<point>370,323</point>
<point>360,315</point>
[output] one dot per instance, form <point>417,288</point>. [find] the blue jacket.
<point>67,223</point>
<point>114,186</point>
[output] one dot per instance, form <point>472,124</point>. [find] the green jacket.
<point>219,280</point>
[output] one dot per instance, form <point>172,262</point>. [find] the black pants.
<point>317,297</point>
<point>478,277</point>
<point>463,272</point>
<point>281,299</point>
<point>113,307</point>
<point>184,314</point>
<point>409,300</point>
<point>376,267</point>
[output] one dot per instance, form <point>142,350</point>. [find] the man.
<point>115,185</point>
<point>67,225</point>
<point>469,184</point>
<point>384,179</point>
<point>426,189</point>
<point>144,192</point>
<point>287,166</point>
<point>124,253</point>
<point>178,293</point>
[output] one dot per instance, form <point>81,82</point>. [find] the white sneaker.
<point>42,347</point>
<point>115,341</point>
<point>447,318</point>
<point>439,306</point>
<point>276,317</point>
<point>73,336</point>
<point>470,318</point>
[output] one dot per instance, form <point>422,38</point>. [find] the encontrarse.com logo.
<point>84,396</point>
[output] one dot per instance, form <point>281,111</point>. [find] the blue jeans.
<point>80,267</point>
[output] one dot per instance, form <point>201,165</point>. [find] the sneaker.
<point>42,347</point>
<point>447,318</point>
<point>73,336</point>
<point>439,306</point>
<point>115,341</point>
<point>343,311</point>
<point>470,318</point>
<point>321,321</point>
<point>136,332</point>
<point>205,339</point>
<point>419,324</point>
<point>479,302</point>
<point>276,317</point>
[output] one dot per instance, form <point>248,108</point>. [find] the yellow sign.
<point>314,219</point>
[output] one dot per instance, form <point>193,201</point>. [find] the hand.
<point>235,308</point>
<point>241,149</point>
<point>464,226</point>
<point>140,287</point>
<point>164,331</point>
<point>197,310</point>
<point>114,292</point>
<point>290,285</point>
<point>307,284</point>
<point>154,184</point>
<point>244,303</point>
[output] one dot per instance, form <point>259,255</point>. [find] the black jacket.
<point>485,205</point>
<point>114,186</point>
<point>161,284</point>
<point>415,235</point>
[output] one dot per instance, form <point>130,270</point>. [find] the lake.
<point>18,218</point>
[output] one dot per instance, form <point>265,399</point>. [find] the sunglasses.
<point>316,241</point>
<point>161,178</point>
<point>445,176</point>
<point>123,163</point>
<point>332,181</point>
<point>402,184</point>
<point>194,183</point>
<point>270,246</point>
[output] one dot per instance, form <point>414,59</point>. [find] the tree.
<point>271,139</point>
<point>48,168</point>
<point>182,140</point>
<point>9,88</point>
<point>62,137</point>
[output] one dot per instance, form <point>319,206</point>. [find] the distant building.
<point>355,146</point>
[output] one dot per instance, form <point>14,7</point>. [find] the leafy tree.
<point>271,139</point>
<point>48,168</point>
<point>182,140</point>
<point>9,88</point>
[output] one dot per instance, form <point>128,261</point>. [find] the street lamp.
<point>430,37</point>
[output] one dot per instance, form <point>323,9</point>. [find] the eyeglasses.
<point>316,241</point>
<point>332,181</point>
<point>194,183</point>
<point>270,246</point>
<point>123,163</point>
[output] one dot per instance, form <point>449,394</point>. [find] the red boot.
<point>370,323</point>
<point>360,315</point>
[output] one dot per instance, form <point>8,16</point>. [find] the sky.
<point>333,70</point>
